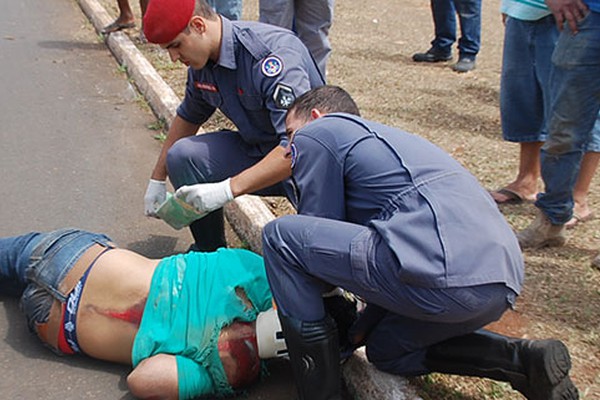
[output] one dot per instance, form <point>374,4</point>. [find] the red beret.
<point>165,19</point>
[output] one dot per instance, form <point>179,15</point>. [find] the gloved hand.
<point>156,194</point>
<point>206,197</point>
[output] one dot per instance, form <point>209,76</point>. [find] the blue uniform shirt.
<point>594,5</point>
<point>261,70</point>
<point>443,227</point>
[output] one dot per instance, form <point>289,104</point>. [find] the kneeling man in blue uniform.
<point>392,218</point>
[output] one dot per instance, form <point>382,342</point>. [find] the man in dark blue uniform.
<point>252,72</point>
<point>395,220</point>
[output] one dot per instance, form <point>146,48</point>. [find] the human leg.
<point>444,22</point>
<point>277,12</point>
<point>589,165</point>
<point>211,157</point>
<point>125,13</point>
<point>575,86</point>
<point>313,21</point>
<point>15,253</point>
<point>524,99</point>
<point>44,260</point>
<point>398,343</point>
<point>581,208</point>
<point>298,267</point>
<point>469,17</point>
<point>304,255</point>
<point>124,20</point>
<point>539,369</point>
<point>524,187</point>
<point>314,353</point>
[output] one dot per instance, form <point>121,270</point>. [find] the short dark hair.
<point>327,99</point>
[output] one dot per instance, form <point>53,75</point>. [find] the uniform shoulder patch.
<point>271,66</point>
<point>283,96</point>
<point>294,153</point>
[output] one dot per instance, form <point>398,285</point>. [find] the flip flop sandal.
<point>512,196</point>
<point>117,26</point>
<point>578,219</point>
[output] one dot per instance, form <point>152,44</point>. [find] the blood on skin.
<point>132,315</point>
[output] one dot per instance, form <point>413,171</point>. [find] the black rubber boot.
<point>209,232</point>
<point>539,369</point>
<point>315,357</point>
<point>342,308</point>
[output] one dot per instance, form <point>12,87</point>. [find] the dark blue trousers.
<point>306,256</point>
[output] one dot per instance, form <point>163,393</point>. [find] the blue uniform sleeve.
<point>281,90</point>
<point>318,174</point>
<point>194,108</point>
<point>193,379</point>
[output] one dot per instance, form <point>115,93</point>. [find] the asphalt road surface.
<point>74,151</point>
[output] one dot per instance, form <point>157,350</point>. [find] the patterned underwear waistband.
<point>67,336</point>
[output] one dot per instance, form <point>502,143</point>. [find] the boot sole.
<point>551,381</point>
<point>557,362</point>
<point>565,390</point>
<point>435,59</point>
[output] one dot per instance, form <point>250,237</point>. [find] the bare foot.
<point>581,214</point>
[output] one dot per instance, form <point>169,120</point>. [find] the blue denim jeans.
<point>526,66</point>
<point>444,20</point>
<point>575,93</point>
<point>34,264</point>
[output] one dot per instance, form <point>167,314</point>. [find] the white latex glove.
<point>156,194</point>
<point>206,197</point>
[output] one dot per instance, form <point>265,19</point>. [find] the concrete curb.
<point>246,214</point>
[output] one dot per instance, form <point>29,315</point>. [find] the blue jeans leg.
<point>469,16</point>
<point>444,21</point>
<point>575,93</point>
<point>14,259</point>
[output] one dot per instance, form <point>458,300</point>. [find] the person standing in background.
<point>310,19</point>
<point>575,103</point>
<point>444,22</point>
<point>529,40</point>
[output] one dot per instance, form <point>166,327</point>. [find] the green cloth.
<point>192,296</point>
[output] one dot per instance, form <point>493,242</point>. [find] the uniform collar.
<point>227,52</point>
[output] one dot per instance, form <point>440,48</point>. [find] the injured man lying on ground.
<point>190,324</point>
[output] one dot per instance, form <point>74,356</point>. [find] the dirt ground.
<point>372,46</point>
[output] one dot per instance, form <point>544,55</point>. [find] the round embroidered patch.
<point>271,66</point>
<point>294,154</point>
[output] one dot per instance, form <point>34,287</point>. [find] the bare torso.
<point>111,308</point>
<point>112,303</point>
